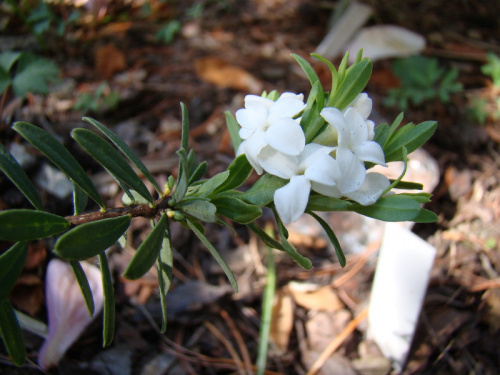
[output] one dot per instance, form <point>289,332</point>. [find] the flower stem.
<point>267,308</point>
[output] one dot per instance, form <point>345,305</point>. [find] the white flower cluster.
<point>332,164</point>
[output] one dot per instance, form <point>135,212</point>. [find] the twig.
<point>239,339</point>
<point>336,342</point>
<point>230,348</point>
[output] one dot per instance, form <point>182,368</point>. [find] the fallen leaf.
<point>282,320</point>
<point>220,73</point>
<point>109,60</point>
<point>314,297</point>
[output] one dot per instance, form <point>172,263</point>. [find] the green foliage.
<point>168,32</point>
<point>492,68</point>
<point>421,79</point>
<point>26,72</point>
<point>190,198</point>
<point>101,100</point>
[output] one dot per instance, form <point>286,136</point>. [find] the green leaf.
<point>147,253</point>
<point>412,138</point>
<point>90,239</point>
<point>8,59</point>
<point>60,156</point>
<point>333,72</point>
<point>109,158</point>
<point>288,247</point>
<point>80,200</point>
<point>11,168</point>
<point>235,209</point>
<point>33,74</point>
<point>5,80</point>
<point>108,316</point>
<point>355,80</point>
<point>425,216</point>
<point>239,170</point>
<point>182,178</point>
<point>262,192</point>
<point>11,264</point>
<point>27,225</point>
<point>207,187</point>
<point>11,333</point>
<point>268,240</point>
<point>309,70</point>
<point>83,282</point>
<point>200,209</point>
<point>198,172</point>
<point>165,266</point>
<point>399,207</point>
<point>331,235</point>
<point>322,203</point>
<point>185,127</point>
<point>127,151</point>
<point>215,254</point>
<point>233,129</point>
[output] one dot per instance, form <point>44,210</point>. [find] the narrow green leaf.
<point>80,200</point>
<point>165,266</point>
<point>333,71</point>
<point>288,247</point>
<point>108,316</point>
<point>268,240</point>
<point>262,192</point>
<point>27,225</point>
<point>182,178</point>
<point>408,185</point>
<point>239,170</point>
<point>210,185</point>
<point>412,139</point>
<point>395,124</point>
<point>405,166</point>
<point>200,209</point>
<point>233,129</point>
<point>185,127</point>
<point>322,203</point>
<point>355,80</point>
<point>127,151</point>
<point>147,253</point>
<point>16,174</point>
<point>425,216</point>
<point>331,235</point>
<point>235,209</point>
<point>393,208</point>
<point>83,282</point>
<point>381,134</point>
<point>60,156</point>
<point>11,333</point>
<point>198,172</point>
<point>11,264</point>
<point>90,239</point>
<point>109,158</point>
<point>215,254</point>
<point>308,70</point>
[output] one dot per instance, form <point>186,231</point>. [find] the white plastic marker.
<point>398,291</point>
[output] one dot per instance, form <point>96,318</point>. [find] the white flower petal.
<point>370,191</point>
<point>287,136</point>
<point>311,152</point>
<point>259,99</point>
<point>277,163</point>
<point>291,200</point>
<point>352,171</point>
<point>287,105</point>
<point>324,170</point>
<point>253,116</point>
<point>357,127</point>
<point>335,118</point>
<point>252,147</point>
<point>327,190</point>
<point>363,104</point>
<point>370,151</point>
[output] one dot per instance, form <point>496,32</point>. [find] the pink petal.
<point>67,312</point>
